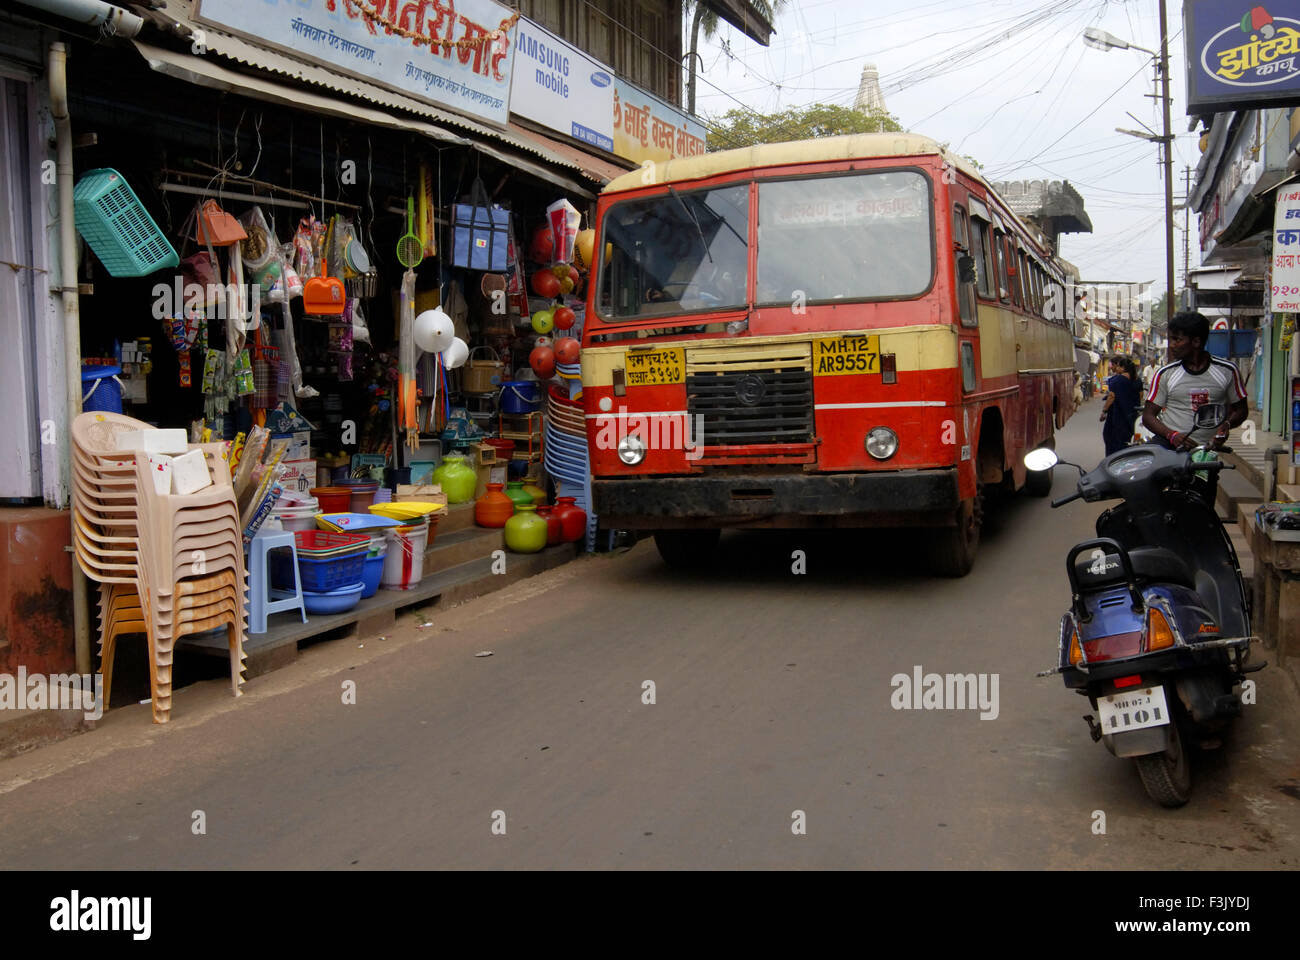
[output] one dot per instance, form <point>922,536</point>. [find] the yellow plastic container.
<point>405,511</point>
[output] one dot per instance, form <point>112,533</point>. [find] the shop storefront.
<point>330,285</point>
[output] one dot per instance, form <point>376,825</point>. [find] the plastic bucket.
<point>101,391</point>
<point>363,493</point>
<point>404,561</point>
<point>332,499</point>
<point>373,568</point>
<point>520,396</point>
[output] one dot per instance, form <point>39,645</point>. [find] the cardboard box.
<point>489,473</point>
<point>190,473</point>
<point>299,475</point>
<point>299,445</point>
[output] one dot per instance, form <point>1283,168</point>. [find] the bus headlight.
<point>882,443</point>
<point>631,450</point>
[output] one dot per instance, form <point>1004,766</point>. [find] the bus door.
<point>969,240</point>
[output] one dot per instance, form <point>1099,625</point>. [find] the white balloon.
<point>455,355</point>
<point>433,331</point>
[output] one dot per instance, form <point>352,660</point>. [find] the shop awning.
<point>207,73</point>
<point>592,165</point>
<point>174,16</point>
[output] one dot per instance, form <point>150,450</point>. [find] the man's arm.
<point>1150,420</point>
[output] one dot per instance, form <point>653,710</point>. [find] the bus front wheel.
<point>953,549</point>
<point>686,549</point>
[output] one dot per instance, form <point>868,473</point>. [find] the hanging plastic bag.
<point>480,232</point>
<point>262,257</point>
<point>245,383</point>
<point>564,219</point>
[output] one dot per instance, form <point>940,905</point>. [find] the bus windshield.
<point>679,252</point>
<point>862,236</point>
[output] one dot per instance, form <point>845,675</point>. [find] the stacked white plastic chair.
<point>167,564</point>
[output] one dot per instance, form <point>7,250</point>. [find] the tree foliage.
<point>743,128</point>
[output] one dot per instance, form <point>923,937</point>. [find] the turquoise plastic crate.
<point>118,227</point>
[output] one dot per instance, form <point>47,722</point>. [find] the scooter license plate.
<point>1133,710</point>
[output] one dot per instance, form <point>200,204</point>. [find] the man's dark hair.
<point>1191,325</point>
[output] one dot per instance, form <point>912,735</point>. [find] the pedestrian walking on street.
<point>1121,407</point>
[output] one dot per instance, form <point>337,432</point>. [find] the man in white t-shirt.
<point>1192,379</point>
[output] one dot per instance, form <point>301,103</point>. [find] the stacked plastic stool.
<point>263,600</point>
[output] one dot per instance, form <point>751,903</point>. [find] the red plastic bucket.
<point>333,499</point>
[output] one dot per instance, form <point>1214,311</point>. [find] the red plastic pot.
<point>573,519</point>
<point>554,528</point>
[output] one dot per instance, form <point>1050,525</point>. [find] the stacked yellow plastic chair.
<point>167,565</point>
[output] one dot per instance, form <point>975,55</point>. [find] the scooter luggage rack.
<point>1130,578</point>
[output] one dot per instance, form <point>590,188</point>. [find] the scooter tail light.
<point>1159,634</point>
<point>1076,652</point>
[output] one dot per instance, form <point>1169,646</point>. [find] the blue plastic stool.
<point>262,600</point>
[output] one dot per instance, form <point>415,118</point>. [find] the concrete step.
<point>461,546</point>
<point>1237,493</point>
<point>1249,462</point>
<point>457,516</point>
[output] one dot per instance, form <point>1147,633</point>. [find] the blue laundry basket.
<point>101,391</point>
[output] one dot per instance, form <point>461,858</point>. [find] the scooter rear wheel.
<point>1168,778</point>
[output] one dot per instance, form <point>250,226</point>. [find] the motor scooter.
<point>1158,631</point>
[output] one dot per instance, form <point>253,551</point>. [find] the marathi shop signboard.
<point>1241,55</point>
<point>471,77</point>
<point>561,88</point>
<point>1286,251</point>
<point>646,128</point>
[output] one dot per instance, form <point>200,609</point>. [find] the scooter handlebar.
<point>1064,500</point>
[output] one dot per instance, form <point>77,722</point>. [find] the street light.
<point>1101,40</point>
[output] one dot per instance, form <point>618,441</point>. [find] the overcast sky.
<point>1007,82</point>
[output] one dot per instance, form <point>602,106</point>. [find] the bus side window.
<point>1022,277</point>
<point>981,251</point>
<point>1000,248</point>
<point>961,238</point>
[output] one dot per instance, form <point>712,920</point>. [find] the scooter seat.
<point>1150,565</point>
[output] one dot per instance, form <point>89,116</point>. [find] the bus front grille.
<point>753,406</point>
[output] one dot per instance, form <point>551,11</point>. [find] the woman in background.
<point>1121,407</point>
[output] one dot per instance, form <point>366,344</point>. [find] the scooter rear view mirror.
<point>1041,459</point>
<point>1210,415</point>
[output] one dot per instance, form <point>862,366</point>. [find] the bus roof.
<point>855,146</point>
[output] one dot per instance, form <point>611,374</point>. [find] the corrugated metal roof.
<point>177,12</point>
<point>210,72</point>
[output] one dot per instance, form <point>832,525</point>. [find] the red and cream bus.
<point>844,332</point>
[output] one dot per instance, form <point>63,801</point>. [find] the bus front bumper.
<point>902,498</point>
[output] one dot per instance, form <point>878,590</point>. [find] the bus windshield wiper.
<point>691,213</point>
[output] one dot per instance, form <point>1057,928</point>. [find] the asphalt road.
<point>772,708</point>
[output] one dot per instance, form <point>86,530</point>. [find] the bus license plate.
<point>1135,710</point>
<point>845,355</point>
<point>656,367</point>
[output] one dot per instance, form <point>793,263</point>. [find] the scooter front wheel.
<point>1167,776</point>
